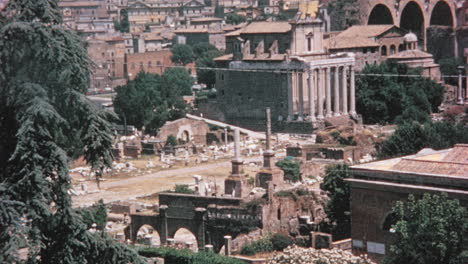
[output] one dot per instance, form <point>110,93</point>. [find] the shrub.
<point>185,256</point>
<point>171,141</point>
<point>291,168</point>
<point>262,245</point>
<point>281,242</point>
<point>183,188</point>
<point>96,213</point>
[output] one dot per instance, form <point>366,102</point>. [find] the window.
<point>401,48</point>
<point>309,44</point>
<point>149,64</point>
<point>383,51</point>
<point>392,49</point>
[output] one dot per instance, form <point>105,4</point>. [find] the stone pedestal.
<point>233,186</point>
<point>267,158</point>
<point>265,175</point>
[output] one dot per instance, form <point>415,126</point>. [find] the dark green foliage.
<point>255,204</point>
<point>123,25</point>
<point>291,169</point>
<point>389,99</point>
<point>182,54</point>
<point>94,214</point>
<point>234,19</point>
<point>171,141</point>
<point>261,245</point>
<point>44,120</point>
<point>183,188</point>
<point>409,138</point>
<point>429,230</point>
<point>150,100</point>
<point>280,241</point>
<point>207,77</point>
<point>449,67</point>
<point>338,208</point>
<point>440,42</point>
<point>185,256</point>
<point>343,14</point>
<point>201,48</point>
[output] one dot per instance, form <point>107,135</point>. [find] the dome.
<point>411,37</point>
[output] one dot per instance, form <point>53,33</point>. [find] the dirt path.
<point>145,185</point>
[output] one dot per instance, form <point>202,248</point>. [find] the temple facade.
<point>285,66</point>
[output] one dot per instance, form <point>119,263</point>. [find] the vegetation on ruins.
<point>337,207</point>
<point>268,243</point>
<point>45,119</point>
<point>431,229</point>
<point>150,99</point>
<point>411,137</point>
<point>449,67</point>
<point>183,188</point>
<point>291,169</point>
<point>385,96</point>
<point>186,256</point>
<point>343,14</point>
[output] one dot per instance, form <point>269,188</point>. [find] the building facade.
<point>376,186</point>
<point>284,66</point>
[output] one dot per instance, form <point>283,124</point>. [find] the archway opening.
<point>186,239</point>
<point>440,37</point>
<point>441,15</point>
<point>380,15</point>
<point>412,19</point>
<point>389,222</point>
<point>147,235</point>
<point>185,137</point>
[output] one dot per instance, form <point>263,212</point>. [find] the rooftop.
<point>78,3</point>
<point>410,54</point>
<point>348,42</point>
<point>367,31</point>
<point>447,162</point>
<point>267,27</point>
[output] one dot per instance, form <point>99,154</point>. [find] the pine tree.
<point>44,120</point>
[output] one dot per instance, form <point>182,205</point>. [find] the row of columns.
<point>318,82</point>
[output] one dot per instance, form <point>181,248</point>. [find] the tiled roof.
<point>368,31</point>
<point>458,154</point>
<point>78,4</point>
<point>408,54</point>
<point>206,19</point>
<point>226,57</point>
<point>432,167</point>
<point>234,33</point>
<point>264,57</point>
<point>346,42</point>
<point>267,27</point>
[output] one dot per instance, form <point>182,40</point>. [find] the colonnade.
<point>320,92</point>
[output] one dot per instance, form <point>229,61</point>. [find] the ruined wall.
<point>193,130</point>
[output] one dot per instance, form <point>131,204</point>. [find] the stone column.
<point>226,138</point>
<point>268,154</point>
<point>209,248</point>
<point>300,84</point>
<point>236,162</point>
<point>312,94</point>
<point>352,92</point>
<point>200,213</point>
<point>460,85</point>
<point>290,98</point>
<point>328,92</point>
<point>163,232</point>
<point>227,245</point>
<point>337,92</point>
<point>344,95</point>
<point>320,82</point>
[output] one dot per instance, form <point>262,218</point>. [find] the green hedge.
<point>185,256</point>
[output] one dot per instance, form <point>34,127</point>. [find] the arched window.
<point>389,221</point>
<point>383,51</point>
<point>392,49</point>
<point>401,48</point>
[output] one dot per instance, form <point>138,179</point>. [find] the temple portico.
<point>322,90</point>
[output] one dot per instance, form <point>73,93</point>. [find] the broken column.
<point>233,184</point>
<point>227,245</point>
<point>268,173</point>
<point>268,154</point>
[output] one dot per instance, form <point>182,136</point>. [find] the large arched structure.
<point>380,15</point>
<point>442,15</point>
<point>415,15</point>
<point>412,19</point>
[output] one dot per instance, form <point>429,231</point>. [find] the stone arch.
<point>147,229</point>
<point>389,220</point>
<point>183,235</point>
<point>412,19</point>
<point>380,15</point>
<point>401,48</point>
<point>383,51</point>
<point>442,15</point>
<point>392,49</point>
